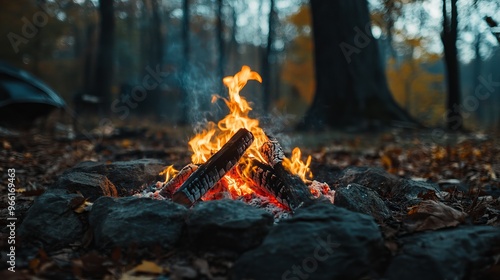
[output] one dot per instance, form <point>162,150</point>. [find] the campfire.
<point>236,159</point>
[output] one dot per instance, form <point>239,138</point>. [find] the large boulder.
<point>90,185</point>
<point>322,241</point>
<point>135,221</point>
<point>384,183</point>
<point>227,224</point>
<point>459,253</point>
<point>361,199</point>
<point>52,221</point>
<point>127,176</point>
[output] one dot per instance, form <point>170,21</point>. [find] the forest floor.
<point>470,162</point>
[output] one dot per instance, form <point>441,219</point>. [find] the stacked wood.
<point>272,151</point>
<point>285,188</point>
<point>273,177</point>
<point>209,173</point>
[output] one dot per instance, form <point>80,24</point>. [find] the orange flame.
<point>209,141</point>
<point>169,172</point>
<point>296,166</point>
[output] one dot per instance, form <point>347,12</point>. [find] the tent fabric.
<point>18,86</point>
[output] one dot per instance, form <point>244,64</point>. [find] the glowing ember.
<point>237,183</point>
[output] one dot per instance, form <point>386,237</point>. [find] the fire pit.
<point>241,209</point>
<point>236,159</point>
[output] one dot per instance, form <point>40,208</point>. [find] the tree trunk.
<point>89,59</point>
<point>480,114</point>
<point>220,41</point>
<point>266,60</point>
<point>351,87</point>
<point>233,50</point>
<point>185,63</point>
<point>156,56</point>
<point>454,120</point>
<point>105,54</point>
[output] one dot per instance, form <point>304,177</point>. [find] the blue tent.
<point>23,97</point>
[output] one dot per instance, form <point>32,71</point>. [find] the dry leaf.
<point>84,207</point>
<point>80,206</point>
<point>490,170</point>
<point>432,215</point>
<point>6,145</point>
<point>147,267</point>
<point>76,202</point>
<point>139,277</point>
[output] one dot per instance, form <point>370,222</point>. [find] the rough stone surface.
<point>361,199</point>
<point>91,186</point>
<point>411,189</point>
<point>384,183</point>
<point>51,220</point>
<point>133,221</point>
<point>458,253</point>
<point>227,224</point>
<point>127,176</point>
<point>320,242</point>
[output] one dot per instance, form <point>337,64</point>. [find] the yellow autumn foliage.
<point>415,88</point>
<point>298,68</point>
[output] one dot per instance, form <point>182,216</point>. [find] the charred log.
<point>208,174</point>
<point>272,151</point>
<point>288,189</point>
<point>177,181</point>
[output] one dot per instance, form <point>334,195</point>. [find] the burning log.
<point>177,181</point>
<point>208,174</point>
<point>287,188</point>
<point>272,151</point>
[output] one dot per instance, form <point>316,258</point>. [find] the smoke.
<point>279,125</point>
<point>200,84</point>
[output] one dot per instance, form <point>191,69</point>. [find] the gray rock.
<point>360,199</point>
<point>321,241</point>
<point>384,183</point>
<point>411,189</point>
<point>51,220</point>
<point>127,176</point>
<point>376,179</point>
<point>91,186</point>
<point>227,224</point>
<point>134,221</point>
<point>458,253</point>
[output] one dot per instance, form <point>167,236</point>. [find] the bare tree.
<point>221,44</point>
<point>105,54</point>
<point>185,63</point>
<point>454,119</point>
<point>267,58</point>
<point>351,87</point>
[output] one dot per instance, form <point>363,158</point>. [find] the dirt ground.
<point>469,162</point>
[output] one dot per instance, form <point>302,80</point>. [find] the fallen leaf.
<point>148,267</point>
<point>83,207</point>
<point>490,170</point>
<point>34,263</point>
<point>76,202</point>
<point>432,215</point>
<point>6,145</point>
